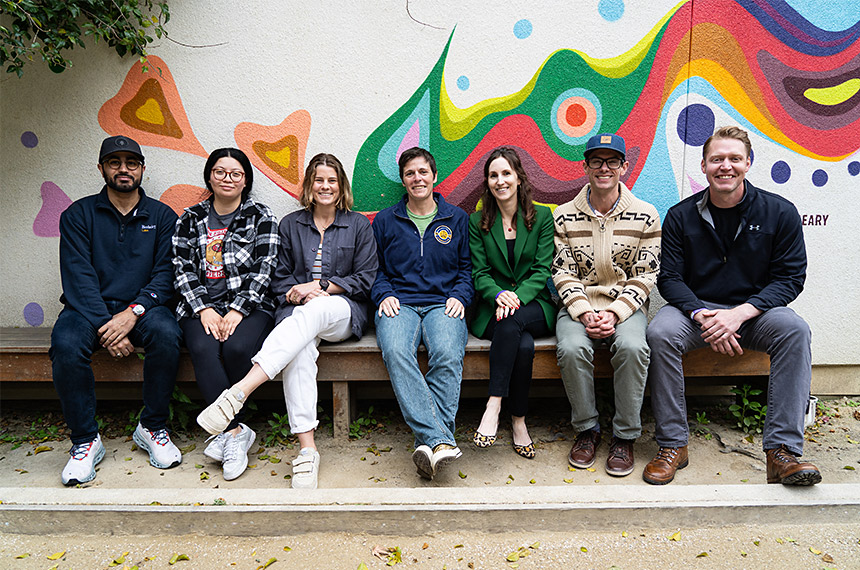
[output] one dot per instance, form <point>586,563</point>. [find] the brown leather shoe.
<point>584,448</point>
<point>661,469</point>
<point>620,460</point>
<point>783,467</point>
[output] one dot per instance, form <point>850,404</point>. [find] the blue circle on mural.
<point>695,124</point>
<point>780,172</point>
<point>611,10</point>
<point>594,113</point>
<point>523,29</point>
<point>29,139</point>
<point>463,82</point>
<point>854,168</point>
<point>819,178</point>
<point>33,314</point>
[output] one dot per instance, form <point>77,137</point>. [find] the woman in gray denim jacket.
<point>326,266</point>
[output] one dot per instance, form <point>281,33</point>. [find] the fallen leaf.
<point>532,481</point>
<point>534,546</point>
<point>568,480</point>
<point>22,471</point>
<point>513,556</point>
<point>744,480</point>
<point>55,566</point>
<point>583,549</point>
<point>849,468</point>
<point>42,448</point>
<point>287,549</point>
<point>749,438</point>
<point>462,475</point>
<point>790,540</point>
<point>119,559</point>
<point>756,542</point>
<point>510,477</point>
<point>624,534</point>
<point>362,458</point>
<point>591,469</point>
<point>569,468</point>
<point>744,554</point>
<point>702,555</point>
<point>204,476</point>
<point>827,558</point>
<point>362,566</point>
<point>816,552</point>
<point>425,546</point>
<point>458,546</point>
<point>25,555</point>
<point>177,557</point>
<point>597,480</point>
<point>273,459</point>
<point>780,541</point>
<point>153,504</point>
<point>851,440</point>
<point>676,537</point>
<point>188,448</point>
<point>198,466</point>
<point>254,466</point>
<point>266,564</point>
<point>57,555</point>
<point>395,556</point>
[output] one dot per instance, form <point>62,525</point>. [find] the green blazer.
<point>492,273</point>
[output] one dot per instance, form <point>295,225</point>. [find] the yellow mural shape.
<point>281,157</point>
<point>150,112</point>
<point>833,95</point>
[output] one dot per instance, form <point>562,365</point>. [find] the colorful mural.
<point>759,62</point>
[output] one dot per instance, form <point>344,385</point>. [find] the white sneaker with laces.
<point>215,449</point>
<point>162,452</point>
<point>422,458</point>
<point>81,467</point>
<point>236,449</point>
<point>443,454</point>
<point>306,469</point>
<point>218,415</point>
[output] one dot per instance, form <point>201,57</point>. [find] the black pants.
<point>512,354</point>
<point>219,365</point>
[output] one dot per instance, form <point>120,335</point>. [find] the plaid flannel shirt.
<point>249,254</point>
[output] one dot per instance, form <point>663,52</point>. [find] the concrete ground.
<point>480,510</point>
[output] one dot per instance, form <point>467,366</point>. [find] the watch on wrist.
<point>137,309</point>
<point>324,283</point>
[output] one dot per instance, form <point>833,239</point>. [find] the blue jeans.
<point>74,340</point>
<point>780,332</point>
<point>429,405</point>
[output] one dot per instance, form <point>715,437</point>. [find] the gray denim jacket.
<point>348,260</point>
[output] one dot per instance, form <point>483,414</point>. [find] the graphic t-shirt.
<point>216,229</point>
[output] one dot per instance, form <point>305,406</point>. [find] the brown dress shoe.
<point>584,448</point>
<point>620,460</point>
<point>661,469</point>
<point>783,467</point>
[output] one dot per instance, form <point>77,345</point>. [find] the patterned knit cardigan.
<point>608,263</point>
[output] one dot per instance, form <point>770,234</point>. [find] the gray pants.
<point>780,332</point>
<point>629,360</point>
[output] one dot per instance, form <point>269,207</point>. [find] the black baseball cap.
<point>119,143</point>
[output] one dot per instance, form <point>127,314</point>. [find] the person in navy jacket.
<point>117,275</point>
<point>422,288</point>
<point>733,258</point>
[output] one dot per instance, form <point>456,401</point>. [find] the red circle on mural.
<point>576,115</point>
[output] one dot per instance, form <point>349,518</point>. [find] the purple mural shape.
<point>54,203</point>
<point>33,314</point>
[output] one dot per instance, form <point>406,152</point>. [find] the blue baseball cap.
<point>605,140</point>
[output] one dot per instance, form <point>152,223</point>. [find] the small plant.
<point>700,429</point>
<point>363,425</point>
<point>182,409</point>
<point>702,418</point>
<point>279,431</point>
<point>749,413</point>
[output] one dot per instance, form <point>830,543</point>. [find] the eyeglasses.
<point>597,163</point>
<point>131,164</point>
<point>221,174</point>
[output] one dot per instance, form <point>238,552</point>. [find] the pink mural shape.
<point>54,203</point>
<point>278,151</point>
<point>695,186</point>
<point>148,109</point>
<point>181,196</point>
<point>410,139</point>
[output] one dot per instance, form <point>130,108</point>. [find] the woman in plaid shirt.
<point>224,254</point>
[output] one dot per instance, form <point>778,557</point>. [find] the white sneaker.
<point>218,415</point>
<point>162,452</point>
<point>236,452</point>
<point>306,469</point>
<point>443,454</point>
<point>422,458</point>
<point>81,467</point>
<point>215,449</point>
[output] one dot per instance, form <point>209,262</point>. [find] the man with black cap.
<point>116,270</point>
<point>607,245</point>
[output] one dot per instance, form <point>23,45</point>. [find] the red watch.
<point>137,309</point>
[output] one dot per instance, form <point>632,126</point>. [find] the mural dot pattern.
<point>819,178</point>
<point>33,314</point>
<point>854,168</point>
<point>463,82</point>
<point>611,10</point>
<point>695,124</point>
<point>523,29</point>
<point>29,139</point>
<point>780,172</point>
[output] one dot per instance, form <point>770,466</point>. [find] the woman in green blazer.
<point>511,241</point>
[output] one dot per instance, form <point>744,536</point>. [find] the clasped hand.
<point>220,327</point>
<point>600,324</point>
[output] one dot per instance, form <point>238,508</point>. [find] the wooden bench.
<point>24,358</point>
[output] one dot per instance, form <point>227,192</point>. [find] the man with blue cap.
<point>607,256</point>
<point>117,275</point>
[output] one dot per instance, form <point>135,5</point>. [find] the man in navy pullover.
<point>422,288</point>
<point>117,275</point>
<point>733,257</point>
